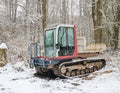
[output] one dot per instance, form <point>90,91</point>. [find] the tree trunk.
<point>15,10</point>
<point>64,11</point>
<point>26,30</point>
<point>116,28</point>
<point>97,16</point>
<point>44,3</point>
<point>39,30</point>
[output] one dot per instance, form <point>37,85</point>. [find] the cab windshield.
<point>49,43</point>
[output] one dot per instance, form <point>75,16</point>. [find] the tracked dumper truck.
<point>61,54</point>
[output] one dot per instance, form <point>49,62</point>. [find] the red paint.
<point>59,57</point>
<point>75,41</point>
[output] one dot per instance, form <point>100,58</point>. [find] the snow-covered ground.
<point>19,78</point>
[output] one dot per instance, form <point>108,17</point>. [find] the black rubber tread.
<point>84,71</point>
<point>39,71</point>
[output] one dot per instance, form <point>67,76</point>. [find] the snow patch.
<point>15,67</point>
<point>3,46</point>
<point>19,78</point>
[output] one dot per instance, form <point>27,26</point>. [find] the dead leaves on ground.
<point>97,74</point>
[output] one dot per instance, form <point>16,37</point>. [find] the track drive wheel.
<point>82,71</point>
<point>73,73</point>
<point>95,68</point>
<point>78,72</point>
<point>87,70</point>
<point>67,74</point>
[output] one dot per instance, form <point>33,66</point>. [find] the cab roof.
<point>58,25</point>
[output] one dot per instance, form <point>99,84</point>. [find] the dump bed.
<point>83,47</point>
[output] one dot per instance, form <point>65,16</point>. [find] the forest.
<point>63,70</point>
<point>23,22</point>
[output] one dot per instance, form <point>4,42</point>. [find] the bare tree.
<point>24,21</point>
<point>110,22</point>
<point>116,26</point>
<point>97,16</point>
<point>44,4</point>
<point>64,11</point>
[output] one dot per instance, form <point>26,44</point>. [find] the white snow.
<point>19,78</point>
<point>3,46</point>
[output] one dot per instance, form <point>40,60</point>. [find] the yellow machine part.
<point>96,47</point>
<point>3,57</point>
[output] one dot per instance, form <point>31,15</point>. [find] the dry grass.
<point>97,74</point>
<point>88,78</point>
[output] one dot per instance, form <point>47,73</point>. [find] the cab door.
<point>66,41</point>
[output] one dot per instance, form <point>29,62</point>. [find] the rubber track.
<point>82,63</point>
